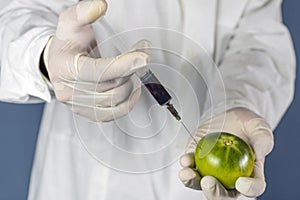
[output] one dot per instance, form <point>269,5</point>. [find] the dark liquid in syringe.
<point>158,92</point>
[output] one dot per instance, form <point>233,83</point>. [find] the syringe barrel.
<point>154,86</point>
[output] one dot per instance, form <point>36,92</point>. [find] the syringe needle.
<point>187,130</point>
<point>174,112</point>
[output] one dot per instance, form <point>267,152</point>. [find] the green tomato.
<point>225,157</point>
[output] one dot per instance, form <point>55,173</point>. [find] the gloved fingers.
<point>74,22</point>
<point>120,110</point>
<point>258,170</point>
<point>106,114</point>
<point>104,69</point>
<point>93,50</point>
<point>187,160</point>
<point>66,89</point>
<point>190,178</point>
<point>92,87</point>
<point>260,137</point>
<point>142,45</point>
<point>253,187</point>
<point>214,190</point>
<point>110,84</point>
<point>81,14</point>
<point>108,98</point>
<point>89,11</point>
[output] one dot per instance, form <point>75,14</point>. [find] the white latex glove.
<point>100,89</point>
<point>252,129</point>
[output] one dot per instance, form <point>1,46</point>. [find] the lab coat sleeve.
<point>258,65</point>
<point>25,27</point>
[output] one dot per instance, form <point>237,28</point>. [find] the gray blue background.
<point>19,126</point>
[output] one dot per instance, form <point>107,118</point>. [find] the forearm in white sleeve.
<point>258,67</point>
<point>25,27</point>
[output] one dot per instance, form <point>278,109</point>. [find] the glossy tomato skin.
<point>228,158</point>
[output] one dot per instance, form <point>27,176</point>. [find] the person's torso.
<point>135,157</point>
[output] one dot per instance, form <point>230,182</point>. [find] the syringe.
<point>160,94</point>
<point>147,77</point>
<point>156,89</point>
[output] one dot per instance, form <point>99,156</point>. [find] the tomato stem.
<point>227,141</point>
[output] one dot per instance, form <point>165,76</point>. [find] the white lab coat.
<point>246,39</point>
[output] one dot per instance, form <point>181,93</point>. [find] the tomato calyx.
<point>227,141</point>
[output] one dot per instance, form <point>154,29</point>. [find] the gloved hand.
<point>252,129</point>
<point>100,89</point>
